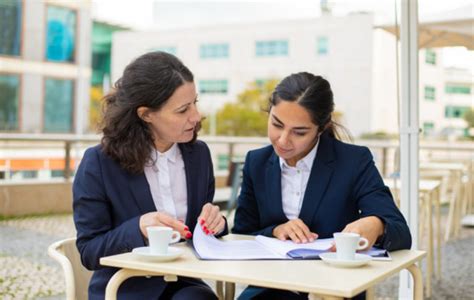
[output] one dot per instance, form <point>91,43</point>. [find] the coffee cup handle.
<point>363,243</point>
<point>175,237</point>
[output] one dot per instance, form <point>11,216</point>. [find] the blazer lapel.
<point>273,187</point>
<point>191,172</point>
<point>141,193</point>
<point>319,179</point>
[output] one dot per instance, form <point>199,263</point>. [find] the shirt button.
<point>298,171</point>
<point>297,193</point>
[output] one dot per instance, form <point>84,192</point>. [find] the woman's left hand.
<point>369,227</point>
<point>211,219</point>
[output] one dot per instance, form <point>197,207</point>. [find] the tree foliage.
<point>96,95</point>
<point>247,116</point>
<point>469,118</point>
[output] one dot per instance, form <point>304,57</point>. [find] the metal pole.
<point>409,129</point>
<point>67,160</point>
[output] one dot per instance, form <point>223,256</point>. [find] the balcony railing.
<point>62,152</point>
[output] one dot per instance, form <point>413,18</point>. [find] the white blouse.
<point>167,181</point>
<point>294,181</point>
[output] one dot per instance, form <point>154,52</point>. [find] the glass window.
<point>430,57</point>
<point>271,48</point>
<point>322,45</point>
<point>24,174</point>
<point>457,89</point>
<point>214,51</point>
<point>57,173</point>
<point>455,111</point>
<point>260,83</point>
<point>10,27</point>
<point>9,94</point>
<point>213,86</point>
<point>428,128</point>
<point>430,92</point>
<point>58,105</point>
<point>222,162</point>
<point>61,34</point>
<point>168,49</point>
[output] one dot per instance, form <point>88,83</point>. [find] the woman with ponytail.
<point>308,184</point>
<point>149,170</point>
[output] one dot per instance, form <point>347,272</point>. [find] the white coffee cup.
<point>347,243</point>
<point>159,238</point>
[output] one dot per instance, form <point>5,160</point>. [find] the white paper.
<point>283,247</point>
<point>209,247</point>
<point>262,247</point>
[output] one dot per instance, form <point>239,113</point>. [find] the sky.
<point>185,13</point>
<point>161,14</point>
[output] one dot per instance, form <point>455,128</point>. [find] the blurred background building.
<point>357,57</point>
<point>57,62</point>
<point>44,66</point>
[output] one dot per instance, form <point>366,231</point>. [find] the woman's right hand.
<point>162,219</point>
<point>296,230</point>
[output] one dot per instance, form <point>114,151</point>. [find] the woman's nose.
<point>283,138</point>
<point>196,116</point>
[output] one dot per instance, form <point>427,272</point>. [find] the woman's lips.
<point>281,150</point>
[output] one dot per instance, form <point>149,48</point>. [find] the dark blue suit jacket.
<point>344,185</point>
<point>108,203</point>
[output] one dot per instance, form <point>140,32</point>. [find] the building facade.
<point>358,59</point>
<point>44,66</point>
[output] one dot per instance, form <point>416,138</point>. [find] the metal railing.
<point>383,150</point>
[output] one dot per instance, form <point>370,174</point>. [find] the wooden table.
<point>459,198</point>
<point>311,276</point>
<point>430,193</point>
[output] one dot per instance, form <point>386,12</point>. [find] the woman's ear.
<point>143,113</point>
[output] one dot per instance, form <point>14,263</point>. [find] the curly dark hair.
<point>148,81</point>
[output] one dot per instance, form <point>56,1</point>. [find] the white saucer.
<point>144,253</point>
<point>331,258</point>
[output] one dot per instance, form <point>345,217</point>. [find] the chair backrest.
<point>236,182</point>
<point>76,275</point>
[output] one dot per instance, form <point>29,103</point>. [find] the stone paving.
<point>27,272</point>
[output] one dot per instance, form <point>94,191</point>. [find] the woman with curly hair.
<point>149,170</point>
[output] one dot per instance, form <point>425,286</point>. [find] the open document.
<point>262,247</point>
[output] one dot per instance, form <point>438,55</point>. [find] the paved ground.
<point>27,272</point>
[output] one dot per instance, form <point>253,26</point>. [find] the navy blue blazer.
<point>108,203</point>
<point>344,185</point>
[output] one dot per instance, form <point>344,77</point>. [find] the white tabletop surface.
<point>313,276</point>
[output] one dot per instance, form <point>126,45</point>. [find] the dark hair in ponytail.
<point>148,81</point>
<point>315,95</point>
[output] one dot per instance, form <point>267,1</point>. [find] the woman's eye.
<point>277,125</point>
<point>300,133</point>
<point>183,111</point>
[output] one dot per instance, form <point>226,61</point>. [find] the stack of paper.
<point>262,247</point>
<point>209,247</point>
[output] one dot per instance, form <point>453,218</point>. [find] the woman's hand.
<point>369,227</point>
<point>296,230</point>
<point>211,219</point>
<point>162,219</point>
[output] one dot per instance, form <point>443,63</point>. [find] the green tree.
<point>469,118</point>
<point>95,107</point>
<point>246,116</point>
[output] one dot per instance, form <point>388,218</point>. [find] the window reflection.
<point>10,27</point>
<point>9,90</point>
<point>58,105</point>
<point>61,34</point>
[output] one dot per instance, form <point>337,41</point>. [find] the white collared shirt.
<point>294,181</point>
<point>167,181</point>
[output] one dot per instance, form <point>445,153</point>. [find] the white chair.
<point>76,275</point>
